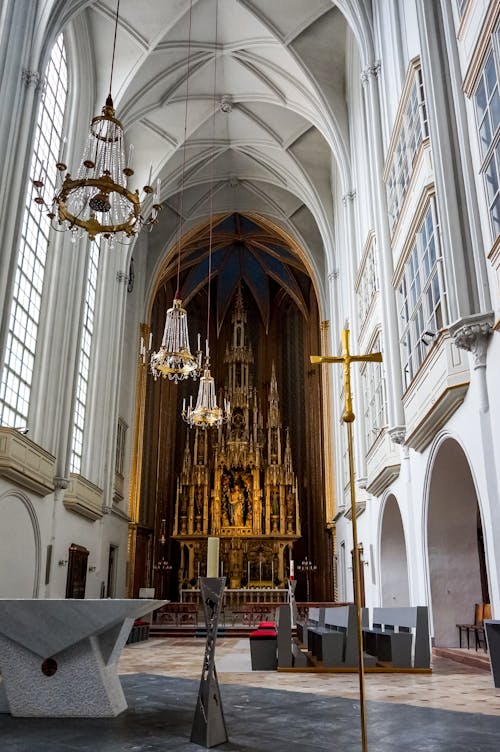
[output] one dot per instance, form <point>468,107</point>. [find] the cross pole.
<point>348,417</point>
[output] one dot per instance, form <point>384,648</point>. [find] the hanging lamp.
<point>174,359</point>
<point>98,200</point>
<point>206,413</point>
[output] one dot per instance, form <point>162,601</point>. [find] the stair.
<point>472,658</point>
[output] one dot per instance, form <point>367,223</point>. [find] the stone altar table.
<point>59,657</point>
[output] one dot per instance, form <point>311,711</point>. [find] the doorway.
<point>393,561</point>
<point>457,568</point>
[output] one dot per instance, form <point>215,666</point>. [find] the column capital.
<point>397,434</point>
<point>349,196</point>
<point>122,277</point>
<point>60,483</point>
<point>472,333</point>
<point>371,71</point>
<point>33,78</point>
<point>333,275</point>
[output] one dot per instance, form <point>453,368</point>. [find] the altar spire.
<point>240,485</point>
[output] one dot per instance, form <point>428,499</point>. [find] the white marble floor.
<point>451,686</point>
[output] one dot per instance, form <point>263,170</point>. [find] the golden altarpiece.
<point>237,482</point>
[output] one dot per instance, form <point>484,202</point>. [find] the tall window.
<point>121,438</point>
<point>84,362</point>
<point>420,296</point>
<point>487,105</point>
<point>375,397</point>
<point>17,371</point>
<point>368,283</point>
<point>413,129</point>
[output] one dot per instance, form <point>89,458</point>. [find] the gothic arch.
<point>19,529</point>
<point>452,529</point>
<point>394,583</point>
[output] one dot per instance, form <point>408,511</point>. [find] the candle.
<point>150,174</point>
<point>150,340</point>
<point>222,568</point>
<point>213,557</point>
<point>198,569</point>
<point>63,150</point>
<point>130,153</point>
<point>291,569</point>
<point>199,344</point>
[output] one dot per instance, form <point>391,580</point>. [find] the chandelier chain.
<point>114,47</point>
<point>181,197</point>
<point>210,237</point>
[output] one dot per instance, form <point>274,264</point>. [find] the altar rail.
<point>235,597</point>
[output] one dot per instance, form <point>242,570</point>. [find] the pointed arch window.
<point>18,365</point>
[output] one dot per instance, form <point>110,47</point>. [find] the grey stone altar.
<point>59,657</point>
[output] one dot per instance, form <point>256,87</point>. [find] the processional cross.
<point>348,417</point>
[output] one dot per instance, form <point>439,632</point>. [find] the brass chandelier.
<point>98,201</point>
<point>206,413</point>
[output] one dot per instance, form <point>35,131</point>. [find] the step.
<point>466,657</point>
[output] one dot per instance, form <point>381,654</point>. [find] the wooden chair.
<point>468,628</point>
<point>478,628</point>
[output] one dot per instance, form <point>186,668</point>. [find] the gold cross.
<point>346,359</point>
<point>348,417</point>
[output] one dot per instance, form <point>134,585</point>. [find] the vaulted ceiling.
<point>238,105</point>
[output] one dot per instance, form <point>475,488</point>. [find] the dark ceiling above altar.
<point>243,249</point>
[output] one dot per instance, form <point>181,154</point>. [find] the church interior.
<point>196,198</point>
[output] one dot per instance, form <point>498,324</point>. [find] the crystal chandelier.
<point>174,359</point>
<point>98,200</point>
<point>206,413</point>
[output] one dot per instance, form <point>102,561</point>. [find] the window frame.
<point>490,156</point>
<point>374,395</point>
<point>84,361</point>
<point>416,291</point>
<point>18,367</point>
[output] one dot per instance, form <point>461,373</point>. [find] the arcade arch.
<point>393,560</point>
<point>456,561</point>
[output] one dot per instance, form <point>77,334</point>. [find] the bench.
<point>399,636</point>
<point>315,619</point>
<point>139,632</point>
<point>482,611</point>
<point>334,640</point>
